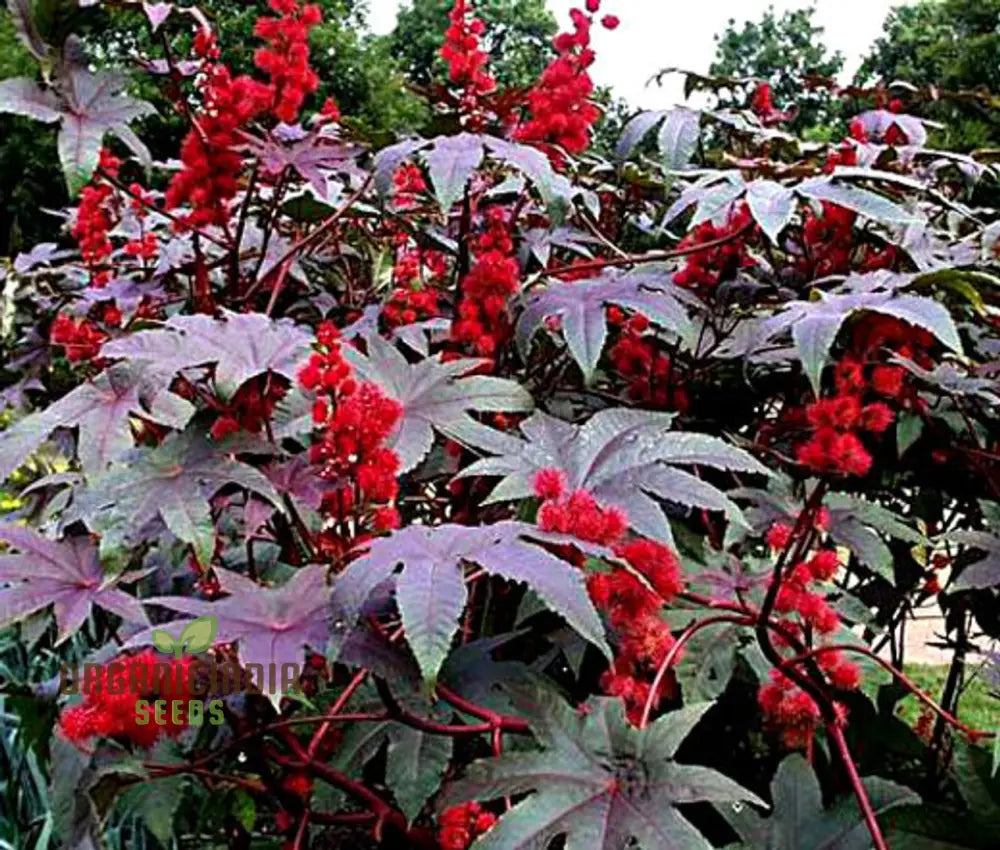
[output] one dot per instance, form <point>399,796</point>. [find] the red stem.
<point>651,257</point>
<point>972,734</point>
<point>837,733</point>
<point>675,650</point>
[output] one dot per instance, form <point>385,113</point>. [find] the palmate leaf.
<point>815,324</point>
<point>799,820</point>
<point>582,307</point>
<point>598,782</point>
<point>87,105</point>
<point>241,346</point>
<point>451,161</point>
<point>855,523</point>
<point>172,482</point>
<point>311,156</point>
<point>270,625</point>
<point>677,139</point>
<point>66,575</point>
<point>436,396</point>
<point>430,590</point>
<point>625,458</point>
<point>101,409</point>
<point>862,201</point>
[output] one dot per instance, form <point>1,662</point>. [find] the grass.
<point>976,707</point>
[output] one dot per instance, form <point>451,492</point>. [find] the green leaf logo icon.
<point>199,634</point>
<point>163,641</point>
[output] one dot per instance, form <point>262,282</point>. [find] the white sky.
<point>656,34</point>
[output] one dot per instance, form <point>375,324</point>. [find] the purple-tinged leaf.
<point>450,163</point>
<point>102,410</point>
<point>66,575</point>
<point>157,13</point>
<point>298,479</point>
<point>678,139</point>
<point>24,24</point>
<point>388,160</point>
<point>635,131</point>
<point>555,189</point>
<point>582,306</point>
<point>312,158</point>
<point>241,346</point>
<point>95,105</point>
<point>21,96</point>
<point>270,625</point>
<point>430,590</point>
<point>575,787</point>
<point>716,203</point>
<point>436,396</point>
<point>877,123</point>
<point>624,457</point>
<point>42,254</point>
<point>772,206</point>
<point>866,203</point>
<point>816,324</point>
<point>173,482</point>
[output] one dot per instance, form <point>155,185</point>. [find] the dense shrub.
<point>479,490</point>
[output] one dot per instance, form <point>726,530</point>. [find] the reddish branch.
<point>651,257</point>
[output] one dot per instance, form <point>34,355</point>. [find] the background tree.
<point>951,44</point>
<point>781,50</point>
<point>29,173</point>
<point>518,39</point>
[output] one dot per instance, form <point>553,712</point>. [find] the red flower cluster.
<point>646,370</point>
<point>407,183</point>
<point>354,419</point>
<point>786,707</point>
<point>145,248</point>
<point>250,409</point>
<point>285,59</point>
<point>208,180</point>
<point>561,112</point>
<point>829,247</point>
<point>460,825</point>
<point>466,61</point>
<point>410,304</point>
<point>483,322</point>
<point>416,272</point>
<point>82,340</point>
<point>795,595</point>
<point>708,268</point>
<point>762,105</point>
<point>631,606</point>
<point>109,702</point>
<point>835,446</point>
<point>95,217</point>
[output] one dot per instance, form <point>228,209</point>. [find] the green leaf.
<point>908,431</point>
<point>199,634</point>
<point>415,765</point>
<point>244,809</point>
<point>156,802</point>
<point>598,781</point>
<point>799,821</point>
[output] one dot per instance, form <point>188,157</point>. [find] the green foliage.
<point>952,45</point>
<point>518,35</point>
<point>781,50</point>
<point>28,178</point>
